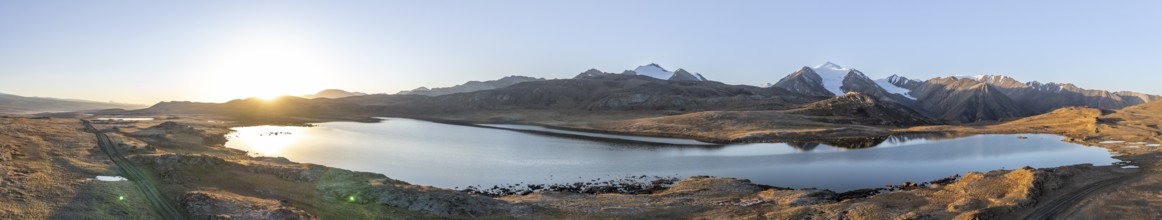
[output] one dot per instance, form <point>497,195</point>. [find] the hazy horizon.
<point>146,52</point>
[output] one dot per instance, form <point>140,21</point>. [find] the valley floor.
<point>45,163</point>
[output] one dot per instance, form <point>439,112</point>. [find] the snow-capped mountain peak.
<point>828,65</point>
<point>889,85</point>
<point>653,70</point>
<point>832,75</point>
<point>656,71</point>
<point>894,79</point>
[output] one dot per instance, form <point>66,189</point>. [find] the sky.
<point>148,51</point>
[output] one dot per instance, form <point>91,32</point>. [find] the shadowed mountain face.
<point>805,82</point>
<point>856,81</point>
<point>964,100</point>
<point>24,105</point>
<point>951,101</point>
<point>1040,97</point>
<point>683,75</point>
<point>856,108</point>
<point>471,86</point>
<point>982,98</point>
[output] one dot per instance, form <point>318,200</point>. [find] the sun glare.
<point>268,97</point>
<point>267,65</point>
<point>269,140</point>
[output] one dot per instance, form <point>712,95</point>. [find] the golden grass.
<point>51,158</point>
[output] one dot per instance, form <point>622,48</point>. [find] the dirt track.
<point>1050,209</point>
<point>134,174</point>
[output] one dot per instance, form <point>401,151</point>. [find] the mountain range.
<point>958,98</point>
<point>651,70</point>
<point>601,92</point>
<point>15,104</point>
<point>953,99</point>
<point>471,86</point>
<point>652,88</point>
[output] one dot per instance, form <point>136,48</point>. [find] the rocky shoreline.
<point>654,184</point>
<point>629,185</point>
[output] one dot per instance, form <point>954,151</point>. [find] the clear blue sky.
<point>148,51</point>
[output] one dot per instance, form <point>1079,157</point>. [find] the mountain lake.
<point>457,156</point>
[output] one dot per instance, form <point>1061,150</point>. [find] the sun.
<point>267,65</point>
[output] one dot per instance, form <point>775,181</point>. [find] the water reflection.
<point>924,137</point>
<point>856,143</point>
<point>457,156</point>
<point>803,146</point>
<point>268,140</point>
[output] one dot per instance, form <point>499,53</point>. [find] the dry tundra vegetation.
<point>46,163</point>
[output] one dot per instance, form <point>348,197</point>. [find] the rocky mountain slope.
<point>1041,97</point>
<point>830,80</point>
<point>805,82</point>
<point>857,108</point>
<point>957,99</point>
<point>1029,97</point>
<point>23,105</point>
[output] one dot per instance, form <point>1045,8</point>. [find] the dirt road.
<point>134,174</point>
<point>1050,209</point>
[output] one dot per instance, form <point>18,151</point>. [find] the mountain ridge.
<point>471,86</point>
<point>15,104</point>
<point>997,97</point>
<point>952,99</point>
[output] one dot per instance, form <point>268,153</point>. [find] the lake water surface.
<point>449,156</point>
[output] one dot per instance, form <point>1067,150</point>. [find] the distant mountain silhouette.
<point>651,70</point>
<point>333,94</point>
<point>471,86</point>
<point>23,105</point>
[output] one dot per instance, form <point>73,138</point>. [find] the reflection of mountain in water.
<point>931,136</point>
<point>803,146</point>
<point>859,143</point>
<point>849,144</point>
<point>656,143</point>
<point>876,141</point>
